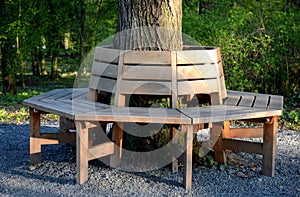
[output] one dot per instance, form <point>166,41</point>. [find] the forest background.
<point>43,43</point>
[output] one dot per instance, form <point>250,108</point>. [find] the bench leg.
<point>115,159</point>
<point>81,152</point>
<point>35,128</point>
<point>174,135</point>
<point>188,163</point>
<point>269,147</point>
<point>216,133</point>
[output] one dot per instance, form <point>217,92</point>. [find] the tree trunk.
<point>42,61</point>
<point>7,69</point>
<point>149,25</point>
<point>54,64</point>
<point>35,63</point>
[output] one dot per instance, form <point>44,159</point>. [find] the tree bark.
<point>35,63</point>
<point>54,64</point>
<point>7,69</point>
<point>149,25</point>
<point>42,61</point>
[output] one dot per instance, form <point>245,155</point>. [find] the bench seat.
<point>73,104</point>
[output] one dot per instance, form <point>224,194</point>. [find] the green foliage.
<point>291,115</point>
<point>259,41</point>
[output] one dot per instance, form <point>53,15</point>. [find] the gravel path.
<point>56,175</point>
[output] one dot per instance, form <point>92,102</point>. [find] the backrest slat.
<point>197,70</point>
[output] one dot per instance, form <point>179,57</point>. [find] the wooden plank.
<point>276,102</point>
<point>174,143</point>
<point>270,147</point>
<point>215,142</point>
<point>81,152</point>
<point>196,71</point>
<point>243,146</point>
<point>145,87</point>
<point>115,159</point>
<point>219,113</point>
<point>73,94</point>
<point>147,57</point>
<point>31,100</point>
<point>261,101</point>
<point>188,157</point>
<point>61,138</point>
<point>35,128</point>
<point>144,72</point>
<point>105,54</point>
<point>104,69</point>
<point>104,84</point>
<point>101,150</point>
<point>246,101</point>
<point>243,133</point>
<point>92,95</point>
<point>197,87</point>
<point>232,100</point>
<point>137,114</point>
<point>119,98</point>
<point>174,85</point>
<point>60,109</point>
<point>83,99</point>
<point>222,78</point>
<point>196,56</point>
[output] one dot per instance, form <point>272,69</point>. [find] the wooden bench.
<point>182,75</point>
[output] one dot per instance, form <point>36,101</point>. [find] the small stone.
<point>32,167</point>
<point>242,175</point>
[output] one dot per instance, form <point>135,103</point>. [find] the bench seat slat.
<point>276,102</point>
<point>137,114</point>
<point>246,101</point>
<point>219,113</point>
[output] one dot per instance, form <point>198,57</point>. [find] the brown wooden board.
<point>147,57</point>
<point>196,57</point>
<point>136,114</point>
<point>197,87</point>
<point>246,101</point>
<point>232,100</point>
<point>104,54</point>
<point>276,102</point>
<point>145,87</point>
<point>146,72</point>
<point>217,113</point>
<point>104,84</point>
<point>104,69</point>
<point>196,71</point>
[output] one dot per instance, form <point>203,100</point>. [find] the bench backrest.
<point>196,70</point>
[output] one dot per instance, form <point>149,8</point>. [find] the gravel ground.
<point>56,175</point>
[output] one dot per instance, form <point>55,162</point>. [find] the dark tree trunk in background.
<point>35,63</point>
<point>7,69</point>
<point>149,25</point>
<point>42,61</point>
<point>54,64</point>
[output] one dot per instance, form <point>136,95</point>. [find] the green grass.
<point>12,109</point>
